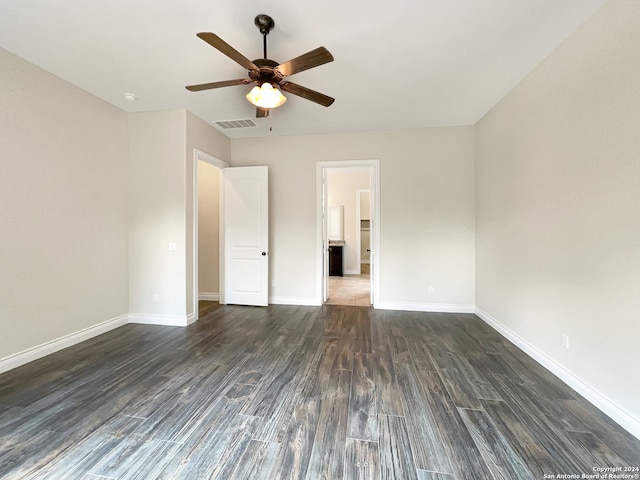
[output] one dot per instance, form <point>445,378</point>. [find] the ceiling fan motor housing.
<point>265,72</point>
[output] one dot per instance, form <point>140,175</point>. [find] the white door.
<point>246,235</point>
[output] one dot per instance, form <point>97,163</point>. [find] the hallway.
<point>349,290</point>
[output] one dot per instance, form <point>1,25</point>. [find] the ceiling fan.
<point>268,74</point>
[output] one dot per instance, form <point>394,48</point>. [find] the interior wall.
<point>427,212</point>
<point>557,195</point>
<point>341,190</point>
<point>161,185</point>
<point>205,138</point>
<point>157,215</point>
<point>63,204</point>
<point>208,230</point>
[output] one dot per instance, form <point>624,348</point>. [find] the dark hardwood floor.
<point>291,392</point>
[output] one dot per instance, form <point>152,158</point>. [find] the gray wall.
<point>63,206</point>
<point>557,195</point>
<point>426,211</point>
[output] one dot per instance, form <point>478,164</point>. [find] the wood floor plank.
<point>427,475</point>
<point>465,384</point>
<point>594,450</point>
<point>423,429</point>
<point>460,388</point>
<point>550,438</point>
<point>257,461</point>
<point>295,452</point>
<point>400,350</point>
<point>300,392</point>
<point>230,463</point>
<point>204,449</point>
<point>362,460</point>
<point>333,320</point>
<point>77,461</point>
<point>363,412</point>
<point>308,382</point>
<point>137,456</point>
<point>277,388</point>
<point>362,331</point>
<point>467,363</point>
<point>387,398</point>
<point>179,417</point>
<point>396,459</point>
<point>502,460</point>
<point>527,370</point>
<point>462,452</point>
<point>517,435</point>
<point>21,454</point>
<point>419,353</point>
<point>344,353</point>
<point>327,453</point>
<point>606,430</point>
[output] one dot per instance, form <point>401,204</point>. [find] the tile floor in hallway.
<point>349,290</point>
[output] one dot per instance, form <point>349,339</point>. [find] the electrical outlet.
<point>432,289</point>
<point>156,298</point>
<point>565,341</point>
<point>172,246</point>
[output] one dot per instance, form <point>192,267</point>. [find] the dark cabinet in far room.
<point>335,260</point>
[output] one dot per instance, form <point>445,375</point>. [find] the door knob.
<point>264,254</point>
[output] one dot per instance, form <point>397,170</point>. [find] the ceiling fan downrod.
<point>265,24</point>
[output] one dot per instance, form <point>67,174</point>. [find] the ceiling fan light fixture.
<point>266,96</point>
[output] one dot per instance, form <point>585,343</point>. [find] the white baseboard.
<point>53,346</point>
<point>210,297</point>
<point>302,301</point>
<point>606,405</point>
<point>352,272</point>
<point>425,307</point>
<point>164,320</point>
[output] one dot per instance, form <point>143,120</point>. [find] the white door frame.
<point>199,155</point>
<point>321,212</point>
<point>359,192</point>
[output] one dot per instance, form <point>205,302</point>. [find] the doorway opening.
<point>348,212</point>
<point>207,272</point>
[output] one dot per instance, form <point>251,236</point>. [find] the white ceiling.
<point>401,64</point>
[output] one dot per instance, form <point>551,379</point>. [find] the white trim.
<point>609,407</point>
<point>426,307</point>
<point>164,320</point>
<point>209,297</point>
<point>199,155</point>
<point>53,346</point>
<point>359,193</point>
<point>351,272</point>
<point>373,165</point>
<point>221,236</point>
<point>302,301</point>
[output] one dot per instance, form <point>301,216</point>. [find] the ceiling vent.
<point>229,124</point>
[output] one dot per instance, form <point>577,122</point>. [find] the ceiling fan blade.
<point>307,93</point>
<point>225,83</point>
<point>216,42</point>
<point>262,112</point>
<point>311,59</point>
